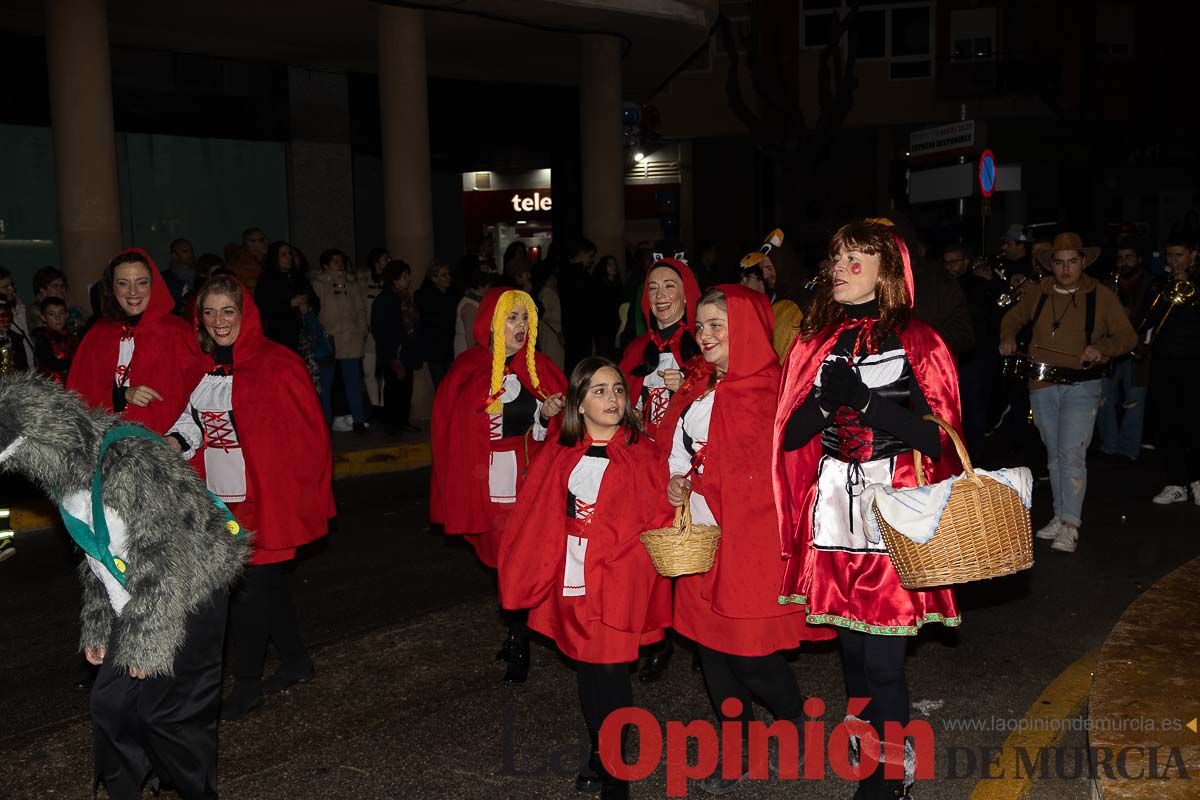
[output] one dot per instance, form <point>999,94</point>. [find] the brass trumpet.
<point>1177,293</point>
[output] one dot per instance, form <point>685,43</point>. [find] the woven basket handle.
<point>963,456</point>
<point>683,514</point>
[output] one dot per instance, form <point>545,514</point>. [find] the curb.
<point>39,514</point>
<point>1061,699</point>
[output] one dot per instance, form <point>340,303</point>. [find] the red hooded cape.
<point>737,471</point>
<point>634,352</point>
<point>289,459</point>
<point>623,590</point>
<point>460,500</point>
<point>164,349</point>
<point>795,472</point>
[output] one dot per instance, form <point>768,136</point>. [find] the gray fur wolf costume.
<point>155,582</point>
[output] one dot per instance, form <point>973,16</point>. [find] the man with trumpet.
<point>1175,372</point>
<point>1077,326</point>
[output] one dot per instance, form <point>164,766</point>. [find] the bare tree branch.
<point>759,130</point>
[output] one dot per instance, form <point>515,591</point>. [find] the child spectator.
<point>53,343</point>
<point>11,340</point>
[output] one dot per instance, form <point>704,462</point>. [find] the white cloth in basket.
<point>916,512</point>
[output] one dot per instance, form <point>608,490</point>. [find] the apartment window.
<point>972,34</point>
<point>1114,30</point>
<point>901,33</point>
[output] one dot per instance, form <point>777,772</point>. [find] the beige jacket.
<point>343,311</point>
<point>1112,333</point>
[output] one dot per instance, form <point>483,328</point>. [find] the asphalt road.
<point>408,701</point>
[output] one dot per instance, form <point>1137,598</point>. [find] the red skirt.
<point>506,471</point>
<point>568,621</point>
<point>847,581</point>
<point>695,618</point>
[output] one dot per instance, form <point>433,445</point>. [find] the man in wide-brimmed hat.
<point>1077,323</point>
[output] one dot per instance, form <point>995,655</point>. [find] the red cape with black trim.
<point>737,467</point>
<point>795,472</point>
<point>634,352</point>
<point>623,589</point>
<point>289,458</point>
<point>164,350</point>
<point>459,499</point>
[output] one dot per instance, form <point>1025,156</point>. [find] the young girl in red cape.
<point>653,362</point>
<point>572,551</point>
<point>855,389</point>
<point>718,449</point>
<point>653,367</point>
<point>134,360</point>
<point>490,414</point>
<point>254,430</point>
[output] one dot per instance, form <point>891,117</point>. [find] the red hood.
<point>250,336</point>
<point>751,322</point>
<point>161,302</point>
<point>691,292</point>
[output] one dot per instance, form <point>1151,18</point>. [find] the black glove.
<point>842,386</point>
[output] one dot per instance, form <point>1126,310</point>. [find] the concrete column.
<point>85,146</point>
<point>603,152</point>
<point>407,183</point>
<point>320,167</point>
<point>404,113</point>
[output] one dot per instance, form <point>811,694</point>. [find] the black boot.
<point>591,774</point>
<point>246,696</point>
<point>893,790</point>
<point>657,663</point>
<point>515,653</point>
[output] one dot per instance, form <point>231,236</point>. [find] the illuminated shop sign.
<point>535,203</point>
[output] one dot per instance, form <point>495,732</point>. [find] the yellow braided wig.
<point>504,306</point>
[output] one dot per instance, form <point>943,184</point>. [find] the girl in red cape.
<point>134,359</point>
<point>254,430</point>
<point>855,389</point>
<point>491,411</point>
<point>653,362</point>
<point>718,450</point>
<point>572,551</point>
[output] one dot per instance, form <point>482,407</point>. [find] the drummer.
<point>1077,323</point>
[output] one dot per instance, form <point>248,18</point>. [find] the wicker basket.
<point>984,532</point>
<point>685,548</point>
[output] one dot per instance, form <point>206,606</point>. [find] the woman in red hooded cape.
<point>653,367</point>
<point>254,430</point>
<point>717,448</point>
<point>653,362</point>
<point>572,551</point>
<point>134,361</point>
<point>495,406</point>
<point>855,390</point>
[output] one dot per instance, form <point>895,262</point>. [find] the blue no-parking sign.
<point>987,173</point>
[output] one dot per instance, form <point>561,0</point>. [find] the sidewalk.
<point>353,455</point>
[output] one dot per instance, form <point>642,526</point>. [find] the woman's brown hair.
<point>870,238</point>
<point>110,309</point>
<point>221,284</point>
<point>573,428</point>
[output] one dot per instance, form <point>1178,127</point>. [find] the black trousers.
<point>769,678</point>
<point>397,398</point>
<point>165,726</point>
<point>262,612</point>
<point>1175,386</point>
<point>874,668</point>
<point>603,688</point>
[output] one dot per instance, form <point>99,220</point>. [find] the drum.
<point>1019,367</point>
